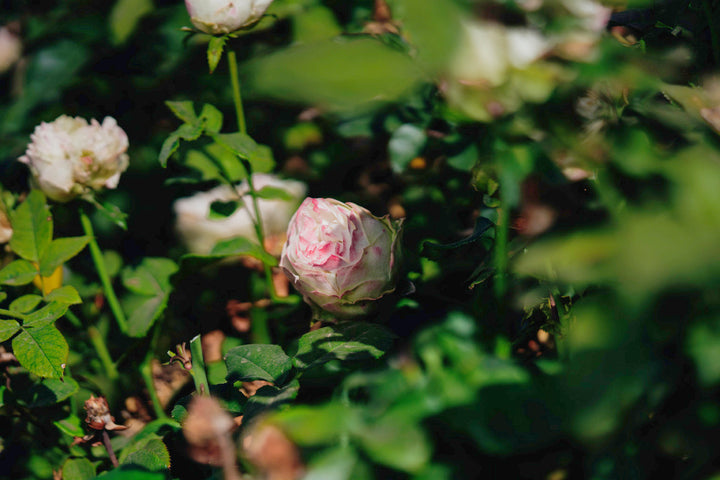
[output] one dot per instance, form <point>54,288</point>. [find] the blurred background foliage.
<point>562,227</point>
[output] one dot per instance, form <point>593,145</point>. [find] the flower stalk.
<point>99,262</point>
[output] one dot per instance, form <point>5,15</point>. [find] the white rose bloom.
<point>225,16</point>
<point>69,156</point>
<point>200,233</point>
<point>10,49</point>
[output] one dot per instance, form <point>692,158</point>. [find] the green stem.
<point>198,366</point>
<point>501,250</point>
<point>260,332</point>
<point>242,128</point>
<point>97,257</point>
<point>237,98</point>
<point>257,223</point>
<point>146,372</point>
<point>98,342</point>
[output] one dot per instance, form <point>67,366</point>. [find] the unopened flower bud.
<point>98,415</point>
<point>340,256</point>
<point>69,156</point>
<point>225,16</point>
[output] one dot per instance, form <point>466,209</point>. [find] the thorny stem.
<point>109,448</point>
<point>97,257</point>
<point>198,366</point>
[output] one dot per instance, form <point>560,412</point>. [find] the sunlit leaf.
<point>42,350</point>
<point>32,227</point>
<point>257,362</point>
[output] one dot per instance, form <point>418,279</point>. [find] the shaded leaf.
<point>270,397</point>
<point>351,341</point>
<point>220,210</point>
<point>397,444</point>
<point>78,469</point>
<point>49,392</point>
<point>257,362</point>
<point>150,283</point>
<point>43,351</point>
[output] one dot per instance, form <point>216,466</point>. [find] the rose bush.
<point>340,256</point>
<point>69,156</point>
<point>225,16</point>
<point>200,233</point>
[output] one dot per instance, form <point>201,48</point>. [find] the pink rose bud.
<point>225,16</point>
<point>340,256</point>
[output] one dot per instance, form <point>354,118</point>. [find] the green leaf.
<point>242,246</point>
<point>465,160</point>
<point>151,277</point>
<point>150,453</point>
<point>18,272</point>
<point>334,74</point>
<point>238,143</point>
<point>113,213</point>
<point>8,328</point>
<point>271,193</point>
<point>215,51</point>
<point>270,397</point>
<point>70,426</point>
<point>397,444</point>
<point>78,469</point>
<point>187,132</point>
<point>66,294</point>
<point>434,28</point>
<point>25,304</point>
<point>32,227</point>
<point>405,144</point>
<point>46,315</point>
<point>60,251</point>
<point>220,210</point>
<point>212,118</point>
<point>49,392</point>
<point>43,351</point>
<point>703,346</point>
<point>257,362</point>
<point>125,16</point>
<point>348,341</point>
<point>183,110</point>
<point>133,472</point>
<point>150,283</point>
